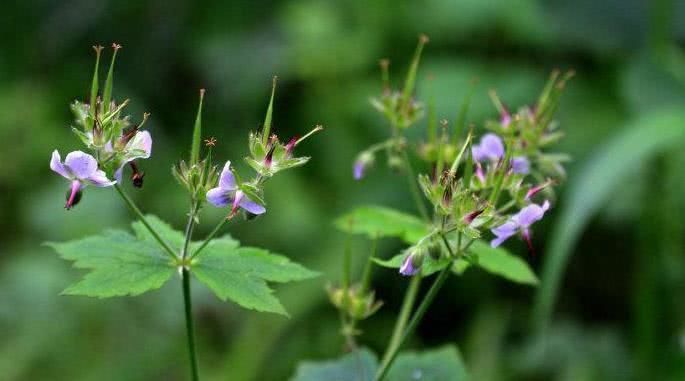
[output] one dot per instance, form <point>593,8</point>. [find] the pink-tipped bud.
<point>469,217</point>
<point>536,189</point>
<point>291,145</point>
<point>268,159</point>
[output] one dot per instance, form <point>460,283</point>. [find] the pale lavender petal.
<point>142,143</point>
<point>227,180</point>
<point>118,173</point>
<point>251,206</point>
<point>99,179</point>
<point>504,232</point>
<point>219,197</point>
<point>477,154</point>
<point>108,146</point>
<point>520,165</point>
<point>81,164</point>
<point>496,242</point>
<point>490,147</point>
<point>531,214</point>
<point>358,170</point>
<point>407,268</point>
<point>57,166</point>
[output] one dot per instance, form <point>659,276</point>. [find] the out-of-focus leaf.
<point>241,274</point>
<point>378,221</point>
<point>652,133</point>
<point>500,262</point>
<point>119,263</point>
<point>443,364</point>
<point>356,366</point>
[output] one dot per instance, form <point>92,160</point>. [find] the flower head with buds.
<point>81,169</point>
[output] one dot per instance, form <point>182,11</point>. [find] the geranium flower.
<point>519,222</point>
<point>81,169</point>
<point>228,192</point>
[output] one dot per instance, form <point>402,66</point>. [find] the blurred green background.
<point>619,309</point>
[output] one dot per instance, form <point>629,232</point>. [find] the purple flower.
<point>520,165</point>
<point>358,170</point>
<point>138,147</point>
<point>228,193</point>
<point>81,169</point>
<point>519,222</point>
<point>490,148</point>
<point>364,160</point>
<point>412,263</point>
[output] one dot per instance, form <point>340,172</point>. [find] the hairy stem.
<point>147,225</point>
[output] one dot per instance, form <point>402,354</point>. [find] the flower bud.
<point>364,160</point>
<point>412,263</point>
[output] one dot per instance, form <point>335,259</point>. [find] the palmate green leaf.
<point>124,264</point>
<point>442,364</point>
<point>360,365</point>
<point>500,262</point>
<point>120,264</point>
<point>378,221</point>
<point>241,274</point>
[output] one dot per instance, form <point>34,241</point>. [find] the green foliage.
<point>429,266</point>
<point>122,264</point>
<point>378,221</point>
<point>356,366</point>
<point>601,175</point>
<point>119,263</point>
<point>497,261</point>
<point>500,262</point>
<point>442,364</point>
<point>240,274</point>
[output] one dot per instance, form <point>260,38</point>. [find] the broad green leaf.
<point>360,365</point>
<point>120,264</point>
<point>443,364</point>
<point>378,221</point>
<point>169,234</point>
<point>429,266</point>
<point>500,262</point>
<point>241,274</point>
<point>652,133</point>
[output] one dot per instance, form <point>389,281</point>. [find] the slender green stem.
<point>416,194</point>
<point>187,300</point>
<point>405,313</point>
<point>211,235</point>
<point>392,351</point>
<point>147,225</point>
<point>190,225</point>
<point>418,315</point>
<point>368,269</point>
<point>189,324</point>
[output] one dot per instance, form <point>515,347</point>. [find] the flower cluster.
<point>268,156</point>
<point>112,141</point>
<point>502,183</point>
